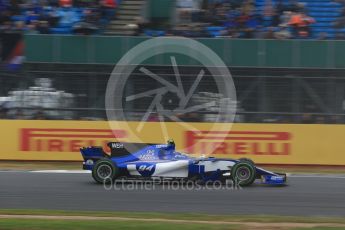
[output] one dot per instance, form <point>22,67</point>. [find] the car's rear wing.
<point>92,152</point>
<point>118,149</point>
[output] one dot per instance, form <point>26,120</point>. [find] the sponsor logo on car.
<point>117,145</point>
<point>148,155</point>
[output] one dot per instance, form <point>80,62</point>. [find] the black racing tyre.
<point>247,160</point>
<point>243,173</point>
<point>104,171</point>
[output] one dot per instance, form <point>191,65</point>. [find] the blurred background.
<point>286,56</point>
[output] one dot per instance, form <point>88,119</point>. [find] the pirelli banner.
<point>264,143</point>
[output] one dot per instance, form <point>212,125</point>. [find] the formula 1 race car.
<point>150,161</point>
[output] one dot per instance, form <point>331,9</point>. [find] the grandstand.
<point>320,19</point>
<point>325,13</point>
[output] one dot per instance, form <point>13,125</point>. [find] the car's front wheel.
<point>243,173</point>
<point>104,171</point>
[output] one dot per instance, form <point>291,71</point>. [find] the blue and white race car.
<point>150,161</point>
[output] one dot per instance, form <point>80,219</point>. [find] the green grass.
<point>30,224</point>
<point>142,220</point>
<point>179,216</point>
<point>320,228</point>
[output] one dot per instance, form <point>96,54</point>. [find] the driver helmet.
<point>171,142</point>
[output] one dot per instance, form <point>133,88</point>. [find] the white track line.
<point>61,171</point>
<point>333,176</point>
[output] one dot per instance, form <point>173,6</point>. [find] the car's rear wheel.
<point>243,173</point>
<point>104,171</point>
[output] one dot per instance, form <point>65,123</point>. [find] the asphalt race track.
<point>305,195</point>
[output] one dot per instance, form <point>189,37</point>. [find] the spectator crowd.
<point>248,19</point>
<point>265,19</point>
<point>56,16</point>
<point>262,19</point>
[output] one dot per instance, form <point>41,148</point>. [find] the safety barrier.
<point>264,143</point>
<point>233,52</point>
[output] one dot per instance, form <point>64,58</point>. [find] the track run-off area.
<point>305,194</point>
